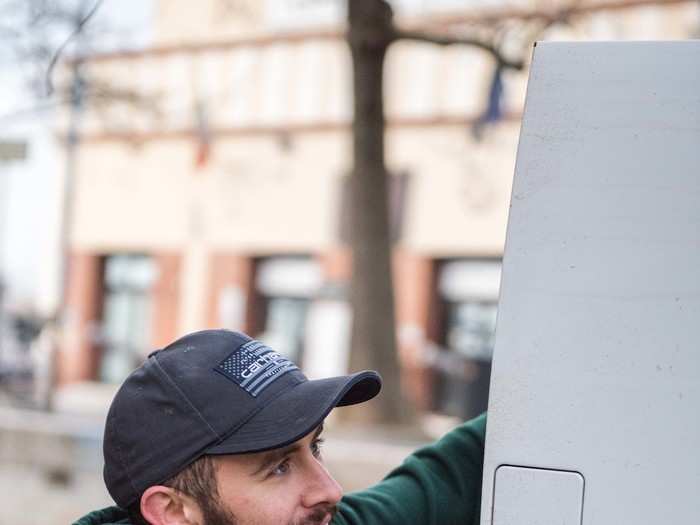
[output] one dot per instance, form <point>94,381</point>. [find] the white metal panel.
<point>597,360</point>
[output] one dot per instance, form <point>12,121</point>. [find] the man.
<point>218,429</point>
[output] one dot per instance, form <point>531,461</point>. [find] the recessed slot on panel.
<point>534,496</point>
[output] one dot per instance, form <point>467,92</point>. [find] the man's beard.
<point>216,514</point>
<point>318,516</point>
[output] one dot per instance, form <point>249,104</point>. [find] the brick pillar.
<point>166,299</point>
<point>231,292</point>
<point>78,358</point>
<point>413,281</point>
<point>336,264</point>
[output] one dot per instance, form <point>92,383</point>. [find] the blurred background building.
<point>222,202</point>
<point>216,196</point>
<point>209,187</point>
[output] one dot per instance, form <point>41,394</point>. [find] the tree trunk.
<point>371,293</point>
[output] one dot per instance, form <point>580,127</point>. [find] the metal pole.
<point>76,108</point>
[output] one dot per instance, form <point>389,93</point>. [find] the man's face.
<point>286,486</point>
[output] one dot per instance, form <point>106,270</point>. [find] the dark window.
<point>126,314</point>
<point>468,291</point>
<point>285,287</point>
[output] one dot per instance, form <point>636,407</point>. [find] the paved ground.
<point>51,477</point>
<point>32,495</point>
<point>29,497</point>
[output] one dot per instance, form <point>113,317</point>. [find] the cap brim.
<point>297,412</point>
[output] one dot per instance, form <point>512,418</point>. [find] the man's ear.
<point>165,506</point>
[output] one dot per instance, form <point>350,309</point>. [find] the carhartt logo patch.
<point>254,366</point>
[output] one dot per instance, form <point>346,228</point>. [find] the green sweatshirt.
<point>439,484</point>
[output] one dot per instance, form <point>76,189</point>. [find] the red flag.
<point>203,136</point>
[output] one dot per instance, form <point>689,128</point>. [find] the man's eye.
<point>281,469</point>
<point>316,446</point>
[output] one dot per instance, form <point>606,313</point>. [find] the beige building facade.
<point>216,197</point>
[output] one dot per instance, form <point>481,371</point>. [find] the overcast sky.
<point>30,201</point>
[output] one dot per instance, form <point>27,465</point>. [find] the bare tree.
<point>371,31</point>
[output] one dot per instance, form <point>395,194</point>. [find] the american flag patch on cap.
<point>254,366</point>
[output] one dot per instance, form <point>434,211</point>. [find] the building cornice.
<point>433,22</point>
<point>136,137</point>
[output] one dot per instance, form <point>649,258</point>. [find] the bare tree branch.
<point>561,16</point>
<point>539,24</point>
<point>447,40</point>
<point>76,31</point>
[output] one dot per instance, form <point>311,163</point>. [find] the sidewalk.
<point>51,464</point>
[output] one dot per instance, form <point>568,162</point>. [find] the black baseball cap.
<point>213,392</point>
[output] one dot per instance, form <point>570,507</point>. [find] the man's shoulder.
<point>106,516</point>
<point>439,483</point>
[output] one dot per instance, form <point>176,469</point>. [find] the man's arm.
<point>439,484</point>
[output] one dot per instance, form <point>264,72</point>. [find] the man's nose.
<point>321,488</point>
